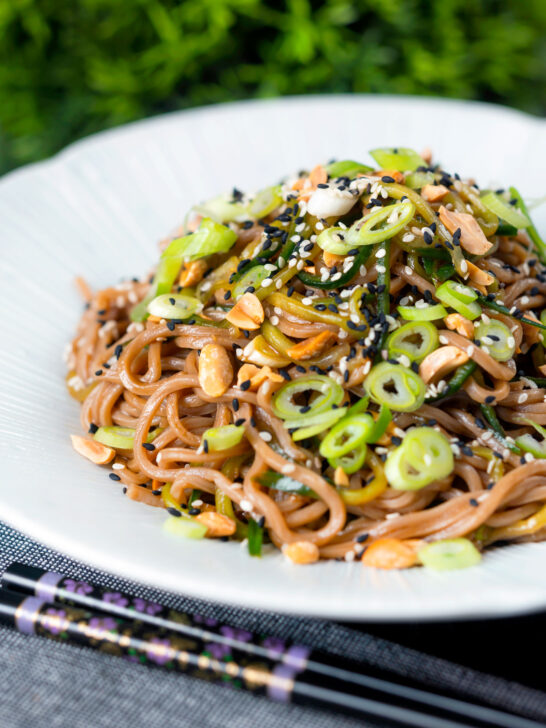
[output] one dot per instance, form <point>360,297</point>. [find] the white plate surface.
<point>97,209</point>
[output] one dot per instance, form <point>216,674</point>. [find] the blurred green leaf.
<point>68,69</point>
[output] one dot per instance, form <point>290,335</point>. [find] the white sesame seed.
<point>266,436</point>
<point>266,282</point>
<point>288,468</point>
<point>118,466</point>
<point>274,320</point>
<point>381,253</point>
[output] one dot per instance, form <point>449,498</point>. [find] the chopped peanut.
<point>192,273</point>
<point>394,173</point>
<point>426,154</point>
<point>217,524</point>
<point>472,236</point>
<point>318,175</point>
<point>340,477</point>
<point>331,259</point>
<point>215,370</point>
<point>390,553</point>
<point>307,348</point>
<point>460,324</point>
<point>479,277</point>
<point>248,313</point>
<point>440,362</point>
<point>301,552</point>
<point>92,450</point>
<point>433,193</point>
<point>257,376</point>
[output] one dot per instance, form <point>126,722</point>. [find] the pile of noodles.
<point>145,375</point>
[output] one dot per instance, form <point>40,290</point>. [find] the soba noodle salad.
<point>347,365</point>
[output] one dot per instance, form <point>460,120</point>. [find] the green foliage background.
<point>71,67</point>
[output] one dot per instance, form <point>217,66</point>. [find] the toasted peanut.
<point>92,450</point>
<point>215,370</point>
<point>301,552</point>
<point>440,362</point>
<point>192,273</point>
<point>426,154</point>
<point>394,173</point>
<point>390,553</point>
<point>217,524</point>
<point>472,236</point>
<point>331,259</point>
<point>248,312</point>
<point>307,348</point>
<point>478,276</point>
<point>318,175</point>
<point>257,376</point>
<point>433,193</point>
<point>340,477</point>
<point>460,324</point>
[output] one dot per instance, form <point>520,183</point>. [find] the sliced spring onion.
<point>430,312</point>
<point>460,298</point>
<point>496,306</point>
<point>174,306</point>
<point>315,425</point>
<point>424,456</point>
<point>528,443</point>
<point>223,438</point>
<point>352,461</point>
<point>252,278</point>
<point>185,527</point>
<point>265,202</point>
<point>222,209</point>
<point>503,209</point>
<point>380,425</point>
<point>360,406</point>
<point>121,438</point>
<point>414,340</point>
<point>346,168</point>
<point>163,281</point>
<point>329,393</point>
<point>271,479</point>
<point>209,238</point>
<point>395,386</point>
<point>332,239</point>
<point>315,281</point>
<point>400,159</point>
<point>498,339</point>
<point>540,245</point>
<point>255,538</point>
<point>347,435</point>
<point>417,180</point>
<point>453,553</point>
<point>381,225</point>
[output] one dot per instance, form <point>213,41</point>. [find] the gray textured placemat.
<point>45,683</point>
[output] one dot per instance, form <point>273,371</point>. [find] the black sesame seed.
<point>473,502</point>
<point>253,422</point>
<point>205,446</point>
<point>235,404</point>
<point>93,428</point>
<point>114,476</point>
<point>170,325</point>
<point>174,512</point>
<point>227,295</point>
<point>148,446</point>
<point>156,491</point>
<point>98,372</point>
<point>387,178</point>
<point>362,537</point>
<point>194,511</point>
<point>240,421</point>
<point>490,399</point>
<point>261,521</point>
<point>245,385</point>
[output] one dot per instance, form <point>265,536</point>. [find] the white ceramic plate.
<point>98,209</point>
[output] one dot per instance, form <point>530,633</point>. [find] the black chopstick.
<point>291,674</point>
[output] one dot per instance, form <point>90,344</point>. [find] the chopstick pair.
<point>54,606</point>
